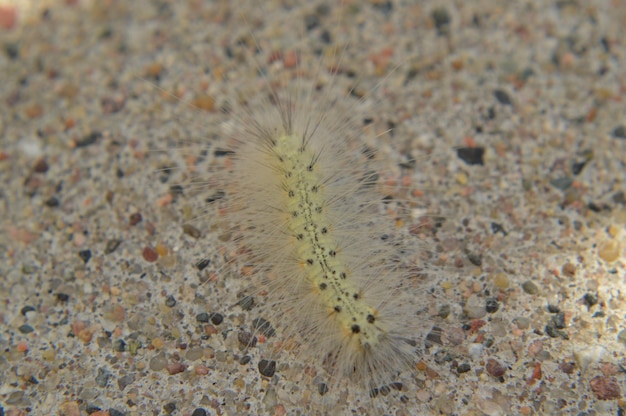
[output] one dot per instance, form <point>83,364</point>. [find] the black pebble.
<point>502,97</point>
<point>170,301</point>
<point>199,412</point>
<point>590,299</point>
<point>202,264</point>
<point>264,327</point>
<point>52,202</point>
<point>85,255</point>
<point>246,303</point>
<point>619,132</point>
<point>119,345</point>
<point>27,309</point>
<point>26,329</point>
<point>471,155</point>
<point>267,367</point>
<point>169,407</point>
<point>216,318</point>
<point>491,305</point>
<point>89,139</point>
<point>442,20</point>
<point>463,368</point>
<point>498,228</point>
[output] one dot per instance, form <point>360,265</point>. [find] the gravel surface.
<point>508,126</point>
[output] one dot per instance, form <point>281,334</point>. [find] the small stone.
<point>52,202</point>
<point>588,356</point>
<point>502,97</point>
<point>530,288</point>
<point>463,368</point>
<point>149,254</point>
<point>194,353</point>
<point>115,412</point>
<point>562,183</point>
<point>246,339</point>
<point>102,378</point>
<point>169,408</point>
<point>27,309</point>
<point>569,270</point>
<point>25,329</point>
<point>192,231</point>
<point>41,166</point>
<point>501,281</point>
<point>89,139</point>
<point>441,19</point>
<point>203,317</point>
<point>158,362</point>
<point>433,337</point>
<point>170,301</point>
<point>199,412</point>
<point>263,326</point>
<point>590,299</point>
<point>322,389</point>
<point>494,368</point>
<point>111,246</point>
<point>621,337</point>
<point>85,255</point>
<point>619,132</point>
<point>475,258</point>
<point>134,219</point>
<point>204,102</point>
<point>471,155</point>
<point>609,251</point>
<point>553,308</point>
<point>267,367</point>
<point>216,318</point>
<point>605,388</point>
<point>491,305</point>
<point>119,345</point>
<point>522,322</point>
<point>175,368</point>
<point>203,264</point>
<point>125,381</point>
<point>246,303</point>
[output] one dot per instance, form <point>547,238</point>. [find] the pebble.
<point>619,132</point>
<point>471,155</point>
<point>149,254</point>
<point>609,250</point>
<point>475,307</point>
<point>491,305</point>
<point>530,288</point>
<point>125,381</point>
<point>25,329</point>
<point>103,376</point>
<point>502,97</point>
<point>267,367</point>
<point>175,368</point>
<point>588,356</point>
<point>605,388</point>
<point>194,353</point>
<point>158,362</point>
<point>494,368</point>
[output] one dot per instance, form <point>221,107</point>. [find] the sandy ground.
<point>515,112</point>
